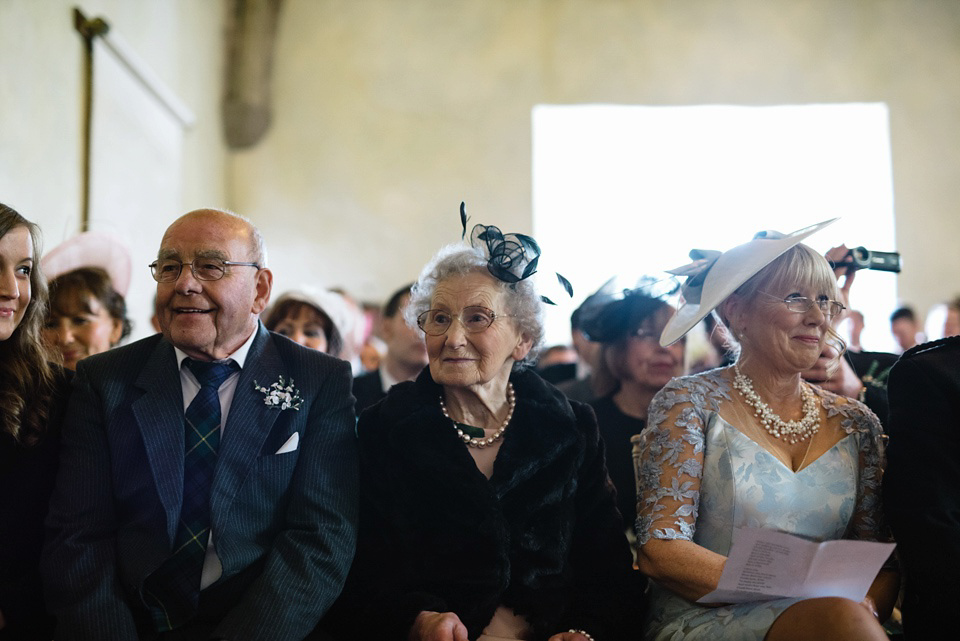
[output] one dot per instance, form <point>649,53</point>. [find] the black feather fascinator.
<point>510,257</point>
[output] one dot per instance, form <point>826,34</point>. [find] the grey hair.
<point>798,266</point>
<point>522,300</point>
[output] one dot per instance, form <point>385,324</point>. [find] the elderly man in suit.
<point>207,486</point>
<point>921,485</point>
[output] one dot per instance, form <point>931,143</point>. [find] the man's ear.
<point>386,326</point>
<point>264,286</point>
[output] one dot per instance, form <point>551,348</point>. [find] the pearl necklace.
<point>790,431</point>
<point>490,440</point>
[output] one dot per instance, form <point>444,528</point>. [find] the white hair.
<point>522,300</point>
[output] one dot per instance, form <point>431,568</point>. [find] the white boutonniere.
<point>281,394</point>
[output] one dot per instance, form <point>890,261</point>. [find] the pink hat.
<point>91,249</point>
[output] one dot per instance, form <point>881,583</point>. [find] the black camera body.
<point>863,258</point>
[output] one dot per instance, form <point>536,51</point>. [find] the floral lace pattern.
<point>699,478</point>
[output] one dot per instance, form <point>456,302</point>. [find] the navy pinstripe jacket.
<point>284,524</point>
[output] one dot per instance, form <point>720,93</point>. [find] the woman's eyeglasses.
<point>802,304</point>
<point>436,322</point>
<point>652,337</point>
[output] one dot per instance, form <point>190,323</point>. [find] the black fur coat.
<point>542,535</point>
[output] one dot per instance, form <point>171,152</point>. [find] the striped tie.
<point>173,590</point>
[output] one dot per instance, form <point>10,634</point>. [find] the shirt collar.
<point>239,356</point>
<point>386,381</point>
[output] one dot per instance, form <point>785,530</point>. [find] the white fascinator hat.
<point>714,275</point>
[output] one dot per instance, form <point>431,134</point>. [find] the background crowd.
<point>430,471</point>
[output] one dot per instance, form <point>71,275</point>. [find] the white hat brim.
<point>731,270</point>
<point>330,303</point>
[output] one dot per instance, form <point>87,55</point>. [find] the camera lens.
<point>860,257</point>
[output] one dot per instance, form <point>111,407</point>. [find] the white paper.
<point>766,564</point>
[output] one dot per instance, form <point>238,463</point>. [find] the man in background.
<point>921,483</point>
<point>404,359</point>
<point>904,327</point>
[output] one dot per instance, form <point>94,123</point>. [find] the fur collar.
<point>544,426</point>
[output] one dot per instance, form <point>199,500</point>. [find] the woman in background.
<point>306,316</point>
<point>87,315</point>
<point>32,396</point>
<point>632,368</point>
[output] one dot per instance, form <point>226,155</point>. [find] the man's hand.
<point>844,381</point>
<point>438,626</point>
<point>837,255</point>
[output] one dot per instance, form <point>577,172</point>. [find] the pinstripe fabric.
<point>173,590</point>
<point>285,523</point>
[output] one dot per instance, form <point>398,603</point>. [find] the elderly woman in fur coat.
<point>486,508</point>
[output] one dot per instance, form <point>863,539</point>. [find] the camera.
<point>863,258</point>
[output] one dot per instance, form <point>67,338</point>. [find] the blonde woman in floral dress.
<point>753,445</point>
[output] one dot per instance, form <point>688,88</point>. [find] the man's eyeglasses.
<point>802,304</point>
<point>436,322</point>
<point>168,270</point>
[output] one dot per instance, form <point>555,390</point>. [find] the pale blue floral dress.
<point>698,478</point>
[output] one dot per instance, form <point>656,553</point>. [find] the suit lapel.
<point>248,424</point>
<point>159,415</point>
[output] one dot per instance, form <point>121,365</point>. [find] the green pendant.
<point>470,430</point>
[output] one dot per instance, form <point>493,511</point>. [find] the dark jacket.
<point>873,369</point>
<point>284,522</point>
<point>367,389</point>
<point>921,485</point>
<point>616,429</point>
<point>541,536</point>
<point>27,475</point>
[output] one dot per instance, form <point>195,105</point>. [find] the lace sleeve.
<point>867,523</point>
<point>670,463</point>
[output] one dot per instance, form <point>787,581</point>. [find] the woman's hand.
<point>437,626</point>
<point>569,636</point>
<point>882,595</point>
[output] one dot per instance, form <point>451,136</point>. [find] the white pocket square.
<point>291,444</point>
